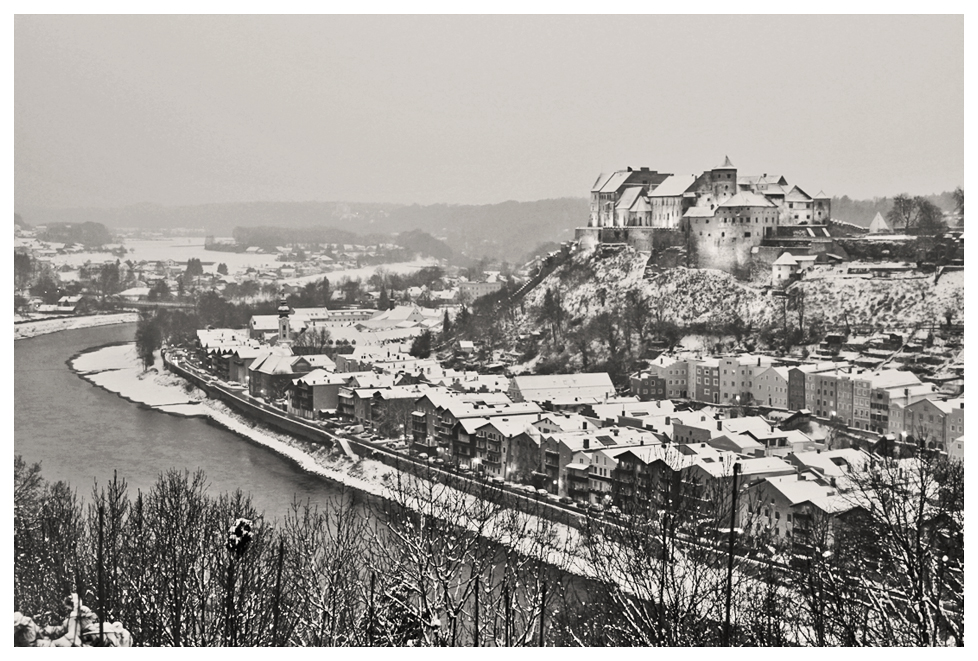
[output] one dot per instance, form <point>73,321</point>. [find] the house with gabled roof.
<point>783,269</point>
<point>315,395</point>
<point>608,189</point>
<point>796,509</point>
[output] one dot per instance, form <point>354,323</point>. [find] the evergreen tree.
<point>446,326</point>
<point>421,347</point>
<point>148,339</point>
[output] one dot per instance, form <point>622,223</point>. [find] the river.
<point>81,433</point>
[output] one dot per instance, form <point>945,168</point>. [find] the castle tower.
<point>723,180</point>
<point>284,329</point>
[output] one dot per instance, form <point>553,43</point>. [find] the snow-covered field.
<point>60,323</point>
<point>181,249</point>
<point>363,273</point>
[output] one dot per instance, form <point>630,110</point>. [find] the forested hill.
<point>507,231</point>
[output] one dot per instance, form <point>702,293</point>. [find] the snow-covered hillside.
<point>883,301</point>
<point>591,283</point>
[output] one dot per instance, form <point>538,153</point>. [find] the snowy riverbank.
<point>117,369</point>
<point>55,324</point>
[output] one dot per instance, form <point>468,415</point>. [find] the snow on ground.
<point>362,273</point>
<point>180,249</point>
<point>882,301</point>
<point>590,284</point>
<point>117,369</point>
<point>60,323</point>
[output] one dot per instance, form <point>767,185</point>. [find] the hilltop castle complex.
<point>721,218</point>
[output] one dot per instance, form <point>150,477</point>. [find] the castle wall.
<point>725,241</point>
<point>642,239</point>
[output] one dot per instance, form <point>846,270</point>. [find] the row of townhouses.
<point>884,401</point>
<point>571,436</point>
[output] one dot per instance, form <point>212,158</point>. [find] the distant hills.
<point>508,231</point>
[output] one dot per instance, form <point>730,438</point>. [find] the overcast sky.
<point>111,111</point>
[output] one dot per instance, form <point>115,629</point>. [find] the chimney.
<point>615,431</point>
<point>668,420</point>
<point>719,425</point>
<point>587,444</point>
<point>758,361</point>
<point>658,403</point>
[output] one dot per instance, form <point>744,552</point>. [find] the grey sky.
<point>112,111</point>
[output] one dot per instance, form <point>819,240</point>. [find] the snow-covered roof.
<point>879,224</point>
<point>699,212</point>
<point>786,259</point>
<point>797,195</point>
<point>672,186</point>
<point>563,386</point>
<point>615,181</point>
<point>600,181</point>
<point>628,197</point>
<point>726,164</point>
<point>747,199</point>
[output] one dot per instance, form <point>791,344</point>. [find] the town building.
<point>469,291</point>
<point>794,510</point>
<point>562,391</point>
<point>770,387</point>
<point>316,395</point>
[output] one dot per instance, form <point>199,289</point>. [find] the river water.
<point>81,433</point>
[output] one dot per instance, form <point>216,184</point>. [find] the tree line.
<point>435,565</point>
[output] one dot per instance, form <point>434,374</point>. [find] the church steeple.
<point>284,329</point>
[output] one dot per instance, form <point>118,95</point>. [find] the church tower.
<point>284,329</point>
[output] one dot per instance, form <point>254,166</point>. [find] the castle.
<point>720,217</point>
